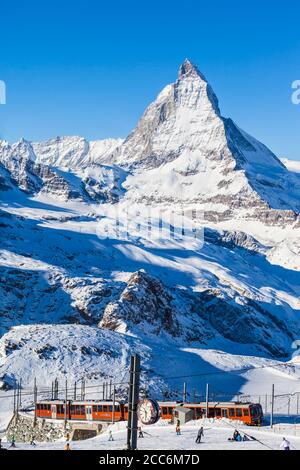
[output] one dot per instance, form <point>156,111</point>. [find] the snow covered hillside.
<point>95,263</point>
<point>162,437</point>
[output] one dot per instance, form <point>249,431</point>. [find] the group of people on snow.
<point>237,437</point>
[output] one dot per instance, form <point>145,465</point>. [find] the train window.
<point>117,408</point>
<point>211,412</point>
<point>224,412</point>
<point>100,408</point>
<point>238,412</point>
<point>95,408</point>
<point>110,407</point>
<point>254,410</point>
<point>170,410</point>
<point>218,412</point>
<point>231,412</point>
<point>246,412</point>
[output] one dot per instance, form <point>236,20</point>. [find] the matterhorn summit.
<point>183,150</point>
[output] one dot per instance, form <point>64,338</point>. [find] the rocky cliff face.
<point>36,169</point>
<point>144,302</point>
<point>183,150</point>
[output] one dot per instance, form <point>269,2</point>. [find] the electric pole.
<point>35,400</point>
<point>114,404</point>
<point>272,408</point>
<point>184,392</point>
<point>207,396</point>
<point>133,400</point>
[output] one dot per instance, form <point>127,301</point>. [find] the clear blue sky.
<point>91,67</point>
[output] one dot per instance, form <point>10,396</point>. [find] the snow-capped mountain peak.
<point>238,291</point>
<point>188,68</point>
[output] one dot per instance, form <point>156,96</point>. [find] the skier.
<point>110,436</point>
<point>285,445</point>
<point>32,443</point>
<point>141,435</point>
<point>13,442</point>
<point>199,435</point>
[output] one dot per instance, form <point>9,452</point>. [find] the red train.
<point>82,410</point>
<point>249,413</point>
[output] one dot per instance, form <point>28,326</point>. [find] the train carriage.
<point>80,410</point>
<point>52,409</point>
<point>249,413</point>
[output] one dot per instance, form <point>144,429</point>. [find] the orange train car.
<point>249,413</point>
<point>80,410</point>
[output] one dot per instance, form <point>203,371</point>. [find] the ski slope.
<point>163,437</point>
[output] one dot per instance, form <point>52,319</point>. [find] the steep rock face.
<point>144,302</point>
<point>233,239</point>
<point>5,182</point>
<point>19,161</point>
<point>34,174</point>
<point>32,177</point>
<point>243,320</point>
<point>183,150</point>
<point>182,122</point>
<point>147,306</point>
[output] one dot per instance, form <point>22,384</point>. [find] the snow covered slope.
<point>92,249</point>
<point>291,165</point>
<point>73,152</point>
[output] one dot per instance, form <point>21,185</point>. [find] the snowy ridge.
<point>68,270</point>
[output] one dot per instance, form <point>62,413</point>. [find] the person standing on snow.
<point>13,442</point>
<point>178,428</point>
<point>285,445</point>
<point>199,435</point>
<point>110,436</point>
<point>32,443</point>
